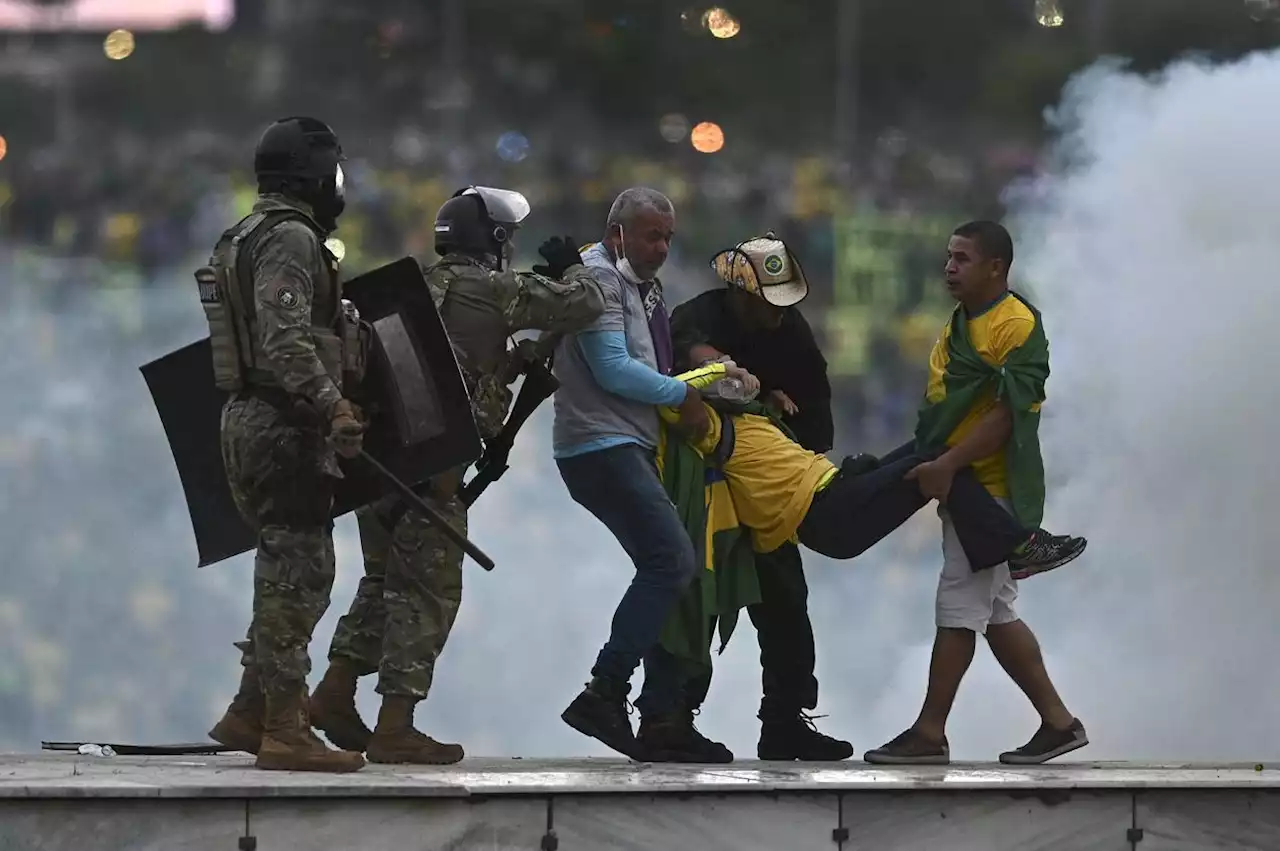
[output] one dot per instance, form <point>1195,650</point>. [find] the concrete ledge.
<point>221,803</point>
<point>233,776</point>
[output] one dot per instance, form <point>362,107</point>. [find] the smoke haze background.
<point>1151,243</point>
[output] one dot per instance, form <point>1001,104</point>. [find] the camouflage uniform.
<point>280,467</point>
<point>409,597</point>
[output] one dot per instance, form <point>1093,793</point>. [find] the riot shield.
<point>420,415</point>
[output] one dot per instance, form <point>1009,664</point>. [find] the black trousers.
<point>859,509</point>
<point>785,633</point>
<point>854,512</point>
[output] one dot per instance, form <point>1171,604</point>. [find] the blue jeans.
<point>621,488</point>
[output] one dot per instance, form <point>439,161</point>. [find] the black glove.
<point>560,253</point>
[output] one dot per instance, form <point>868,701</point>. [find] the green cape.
<point>1020,383</point>
<point>728,581</point>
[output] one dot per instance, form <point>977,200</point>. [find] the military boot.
<point>672,737</point>
<point>787,736</point>
<point>288,743</point>
<point>333,708</point>
<point>395,740</point>
<point>241,725</point>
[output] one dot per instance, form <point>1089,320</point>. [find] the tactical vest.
<point>227,294</point>
<point>477,327</point>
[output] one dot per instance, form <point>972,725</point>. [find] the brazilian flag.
<point>728,580</point>
<point>1020,383</point>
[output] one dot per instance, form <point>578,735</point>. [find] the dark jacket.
<point>785,358</point>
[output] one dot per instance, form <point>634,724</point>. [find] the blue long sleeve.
<point>617,372</point>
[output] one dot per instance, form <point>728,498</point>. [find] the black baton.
<point>430,513</point>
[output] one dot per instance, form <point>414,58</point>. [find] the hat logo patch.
<point>773,264</point>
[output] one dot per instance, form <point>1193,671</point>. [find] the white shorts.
<point>969,600</point>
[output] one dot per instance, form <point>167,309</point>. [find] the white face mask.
<point>623,265</point>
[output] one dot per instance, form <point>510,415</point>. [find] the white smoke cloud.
<point>1151,241</point>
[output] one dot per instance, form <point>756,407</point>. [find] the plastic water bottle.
<point>733,390</point>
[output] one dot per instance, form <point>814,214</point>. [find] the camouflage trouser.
<point>408,598</point>
<point>279,474</point>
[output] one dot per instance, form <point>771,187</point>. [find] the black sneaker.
<point>1044,552</point>
<point>673,738</point>
<point>910,748</point>
<point>601,711</point>
<point>1047,744</point>
<point>796,737</point>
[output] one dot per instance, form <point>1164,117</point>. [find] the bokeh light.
<point>118,44</point>
<point>4,147</point>
<point>673,127</point>
<point>707,137</point>
<point>1049,13</point>
<point>721,23</point>
<point>512,146</point>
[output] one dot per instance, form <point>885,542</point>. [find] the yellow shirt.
<point>771,478</point>
<point>995,333</point>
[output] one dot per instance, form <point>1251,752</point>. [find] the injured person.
<point>782,491</point>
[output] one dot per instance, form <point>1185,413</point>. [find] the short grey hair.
<point>636,201</point>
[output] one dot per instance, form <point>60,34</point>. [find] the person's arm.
<point>617,372</point>
<point>604,347</point>
<point>283,291</point>
<point>811,418</point>
<point>706,441</point>
<point>989,434</point>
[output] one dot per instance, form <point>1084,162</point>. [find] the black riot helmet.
<point>480,221</point>
<point>300,158</point>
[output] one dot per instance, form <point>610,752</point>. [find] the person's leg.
<point>621,488</point>
<point>277,478</point>
<point>787,661</point>
<point>423,594</point>
<point>1016,649</point>
<point>356,647</point>
<point>857,511</point>
<point>964,606</point>
<point>669,734</point>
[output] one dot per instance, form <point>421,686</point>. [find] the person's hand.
<point>781,402</point>
<point>694,421</point>
<point>560,253</point>
<point>750,383</point>
<point>346,430</point>
<point>933,478</point>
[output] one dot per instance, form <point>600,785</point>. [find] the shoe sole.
<point>935,759</point>
<point>1015,758</point>
<point>627,749</point>
<point>1027,572</point>
<point>767,756</point>
<point>269,766</point>
<point>677,757</point>
<point>397,761</point>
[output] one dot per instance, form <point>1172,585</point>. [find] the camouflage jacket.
<point>296,299</point>
<point>482,308</point>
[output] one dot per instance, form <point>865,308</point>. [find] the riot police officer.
<point>408,599</point>
<point>283,346</point>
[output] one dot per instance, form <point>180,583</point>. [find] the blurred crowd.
<point>106,628</point>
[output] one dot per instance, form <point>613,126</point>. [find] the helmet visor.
<point>503,205</point>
